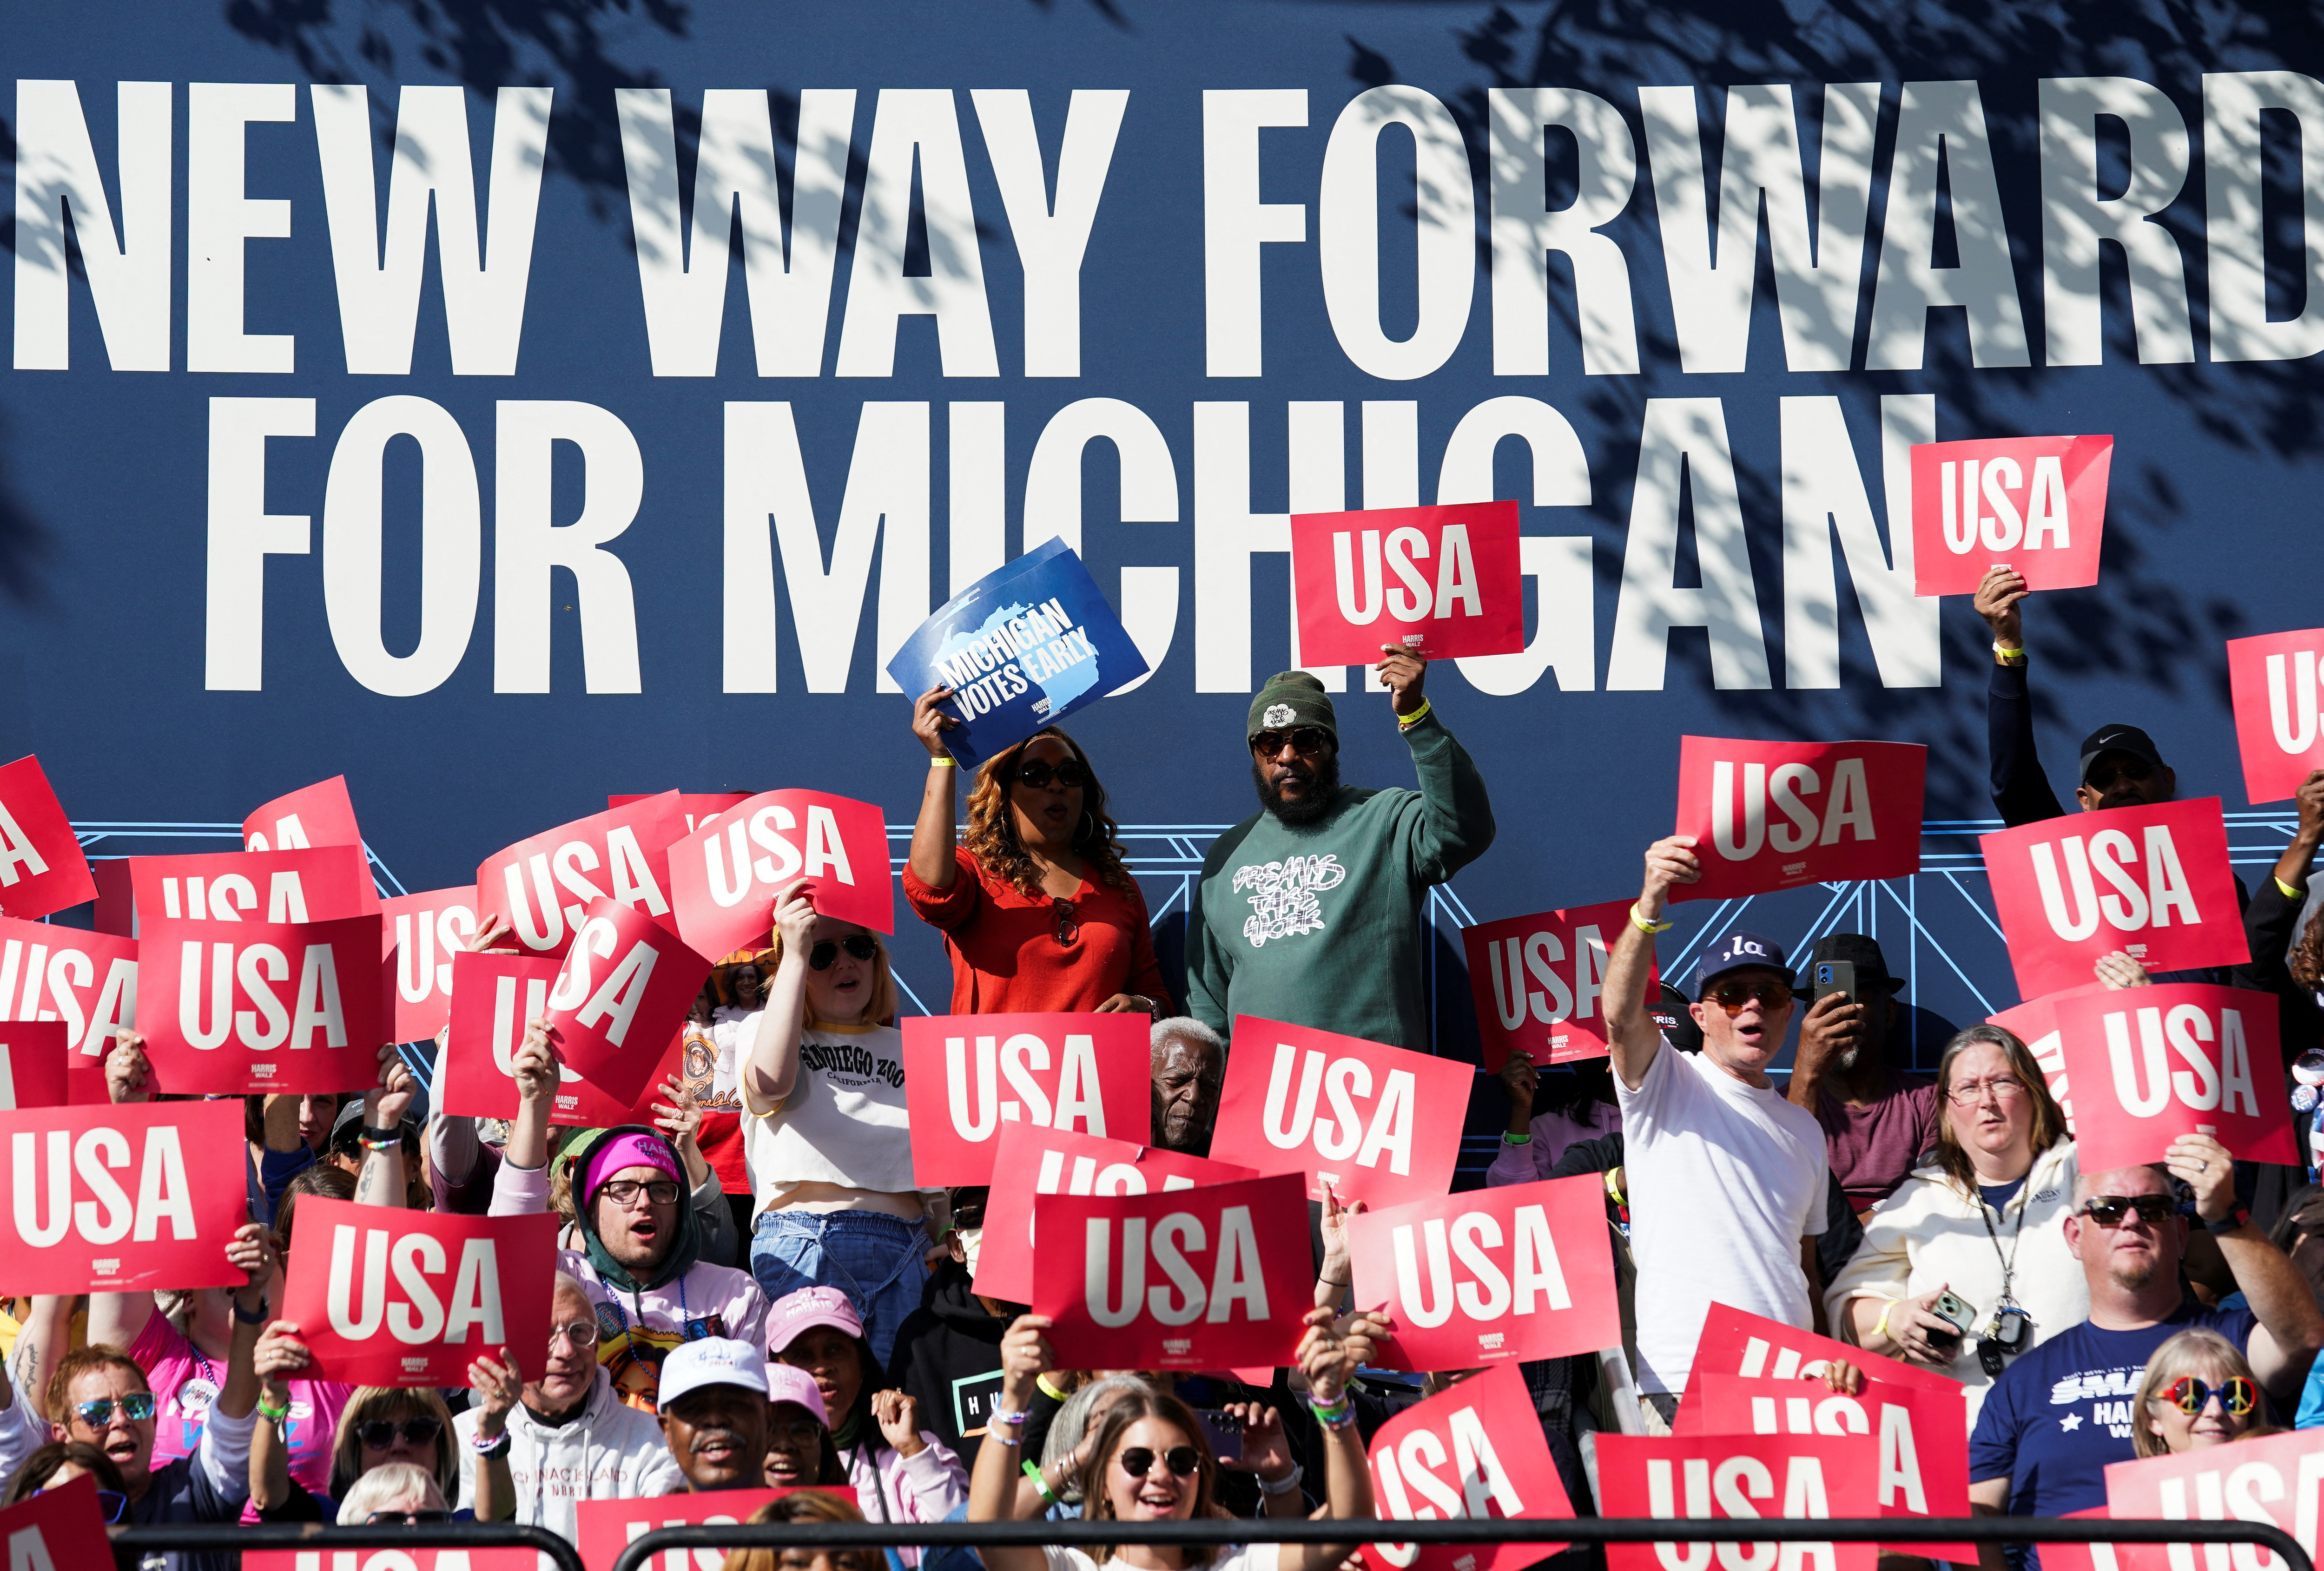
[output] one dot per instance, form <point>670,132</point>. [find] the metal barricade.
<point>232,1538</point>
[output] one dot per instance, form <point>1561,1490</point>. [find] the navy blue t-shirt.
<point>2060,1411</point>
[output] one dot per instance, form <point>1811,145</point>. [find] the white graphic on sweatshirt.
<point>1283,896</point>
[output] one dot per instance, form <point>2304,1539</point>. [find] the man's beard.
<point>2132,1278</point>
<point>1323,786</point>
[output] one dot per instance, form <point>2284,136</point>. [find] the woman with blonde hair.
<point>2198,1392</point>
<point>1976,1230</point>
<point>807,1505</point>
<point>1037,911</point>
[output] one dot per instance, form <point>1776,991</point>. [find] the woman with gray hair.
<point>396,1492</point>
<point>1083,1416</point>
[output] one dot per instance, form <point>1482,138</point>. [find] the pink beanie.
<point>626,1151</point>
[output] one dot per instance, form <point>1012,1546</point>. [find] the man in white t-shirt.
<point>1728,1180</point>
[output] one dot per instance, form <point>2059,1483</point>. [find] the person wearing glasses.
<point>1982,1221</point>
<point>1728,1186</point>
<point>2198,1392</point>
<point>1037,911</point>
<point>530,1450</point>
<point>401,1493</point>
<point>824,1122</point>
<point>1313,909</point>
<point>2061,1412</point>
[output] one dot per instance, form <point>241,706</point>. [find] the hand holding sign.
<point>1452,584</point>
<point>2037,503</point>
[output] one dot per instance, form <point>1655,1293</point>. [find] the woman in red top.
<point>1038,912</point>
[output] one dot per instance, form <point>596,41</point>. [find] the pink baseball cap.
<point>786,1383</point>
<point>798,1312</point>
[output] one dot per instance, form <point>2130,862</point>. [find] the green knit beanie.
<point>1292,698</point>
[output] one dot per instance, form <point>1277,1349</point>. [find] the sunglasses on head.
<point>136,1406</point>
<point>2237,1396</point>
<point>1732,996</point>
<point>2104,776</point>
<point>1037,773</point>
<point>862,945</point>
<point>420,1429</point>
<point>1137,1461</point>
<point>1307,740</point>
<point>2108,1210</point>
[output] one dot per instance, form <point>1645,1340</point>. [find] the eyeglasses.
<point>2237,1396</point>
<point>1037,773</point>
<point>2005,1088</point>
<point>2108,1210</point>
<point>1066,919</point>
<point>862,945</point>
<point>136,1406</point>
<point>622,1192</point>
<point>2104,776</point>
<point>580,1334</point>
<point>421,1429</point>
<point>1307,740</point>
<point>408,1518</point>
<point>1138,1460</point>
<point>1732,996</point>
<point>113,1504</point>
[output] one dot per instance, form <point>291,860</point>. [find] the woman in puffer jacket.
<point>901,1473</point>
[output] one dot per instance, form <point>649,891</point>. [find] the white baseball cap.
<point>712,1361</point>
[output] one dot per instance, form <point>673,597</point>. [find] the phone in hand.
<point>1224,1429</point>
<point>1950,1309</point>
<point>1834,977</point>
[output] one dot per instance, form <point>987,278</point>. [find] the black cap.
<point>348,1126</point>
<point>1672,1014</point>
<point>2118,739</point>
<point>1855,949</point>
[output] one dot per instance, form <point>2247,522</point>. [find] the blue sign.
<point>1021,648</point>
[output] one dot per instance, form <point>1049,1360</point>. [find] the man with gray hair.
<point>1189,1069</point>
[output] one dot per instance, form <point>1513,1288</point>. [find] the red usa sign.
<point>253,1006</point>
<point>1776,815</point>
<point>2152,881</point>
<point>319,884</point>
<point>1534,1277</point>
<point>1209,1278</point>
<point>1922,1436</point>
<point>2278,727</point>
<point>621,995</point>
<point>967,1075</point>
<point>1736,1342</point>
<point>33,1055</point>
<point>384,1296</point>
<point>88,982</point>
<point>43,868</point>
<point>321,814</point>
<point>122,1199</point>
<point>724,877</point>
<point>1735,1478</point>
<point>542,886</point>
<point>2154,1064</point>
<point>1473,1453</point>
<point>1453,586</point>
<point>391,1559</point>
<point>62,1525</point>
<point>2034,503</point>
<point>1378,1123</point>
<point>2275,1478</point>
<point>605,1528</point>
<point>1033,1158</point>
<point>2035,1024</point>
<point>496,995</point>
<point>697,807</point>
<point>420,934</point>
<point>1537,980</point>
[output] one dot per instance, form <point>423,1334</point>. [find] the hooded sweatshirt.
<point>607,1451</point>
<point>890,1487</point>
<point>639,1321</point>
<point>948,1358</point>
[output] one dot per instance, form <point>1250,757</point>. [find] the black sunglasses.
<point>419,1431</point>
<point>2108,1210</point>
<point>2104,775</point>
<point>862,945</point>
<point>1307,739</point>
<point>1138,1460</point>
<point>406,1518</point>
<point>1037,773</point>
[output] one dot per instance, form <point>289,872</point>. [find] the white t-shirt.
<point>843,1122</point>
<point>1231,1557</point>
<point>1725,1179</point>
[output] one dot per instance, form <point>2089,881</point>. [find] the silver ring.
<point>2202,1167</point>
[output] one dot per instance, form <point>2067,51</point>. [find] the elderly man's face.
<point>1187,1077</point>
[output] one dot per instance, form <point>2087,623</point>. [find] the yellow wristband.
<point>1881,1328</point>
<point>2290,893</point>
<point>943,761</point>
<point>1645,926</point>
<point>1407,722</point>
<point>2007,656</point>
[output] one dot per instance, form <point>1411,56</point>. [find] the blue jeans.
<point>873,1258</point>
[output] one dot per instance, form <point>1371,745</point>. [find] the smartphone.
<point>1950,1309</point>
<point>1834,977</point>
<point>1224,1429</point>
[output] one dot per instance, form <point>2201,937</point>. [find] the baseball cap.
<point>2118,739</point>
<point>795,1314</point>
<point>348,1126</point>
<point>1738,950</point>
<point>692,1366</point>
<point>1671,1016</point>
<point>788,1382</point>
<point>1855,949</point>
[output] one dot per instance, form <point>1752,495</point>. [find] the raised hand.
<point>1998,602</point>
<point>535,1064</point>
<point>498,1384</point>
<point>1402,671</point>
<point>795,920</point>
<point>280,1356</point>
<point>128,1072</point>
<point>899,1418</point>
<point>929,723</point>
<point>2118,970</point>
<point>1669,861</point>
<point>1265,1450</point>
<point>385,1105</point>
<point>492,937</point>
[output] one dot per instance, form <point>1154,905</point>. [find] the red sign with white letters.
<point>1536,981</point>
<point>1033,1158</point>
<point>724,877</point>
<point>43,868</point>
<point>1735,1478</point>
<point>2279,709</point>
<point>2150,1064</point>
<point>33,1056</point>
<point>695,807</point>
<point>385,1296</point>
<point>1443,582</point>
<point>122,1199</point>
<point>86,980</point>
<point>2269,1478</point>
<point>1473,1453</point>
<point>542,886</point>
<point>2036,504</point>
<point>496,995</point>
<point>1523,1271</point>
<point>238,1008</point>
<point>2035,1024</point>
<point>2152,881</point>
<point>61,1525</point>
<point>420,934</point>
<point>1922,1436</point>
<point>967,1075</point>
<point>621,994</point>
<point>1738,1342</point>
<point>316,884</point>
<point>1216,1277</point>
<point>395,1560</point>
<point>1378,1123</point>
<point>321,814</point>
<point>603,1529</point>
<point>1777,815</point>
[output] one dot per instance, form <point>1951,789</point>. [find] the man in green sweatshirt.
<point>1310,910</point>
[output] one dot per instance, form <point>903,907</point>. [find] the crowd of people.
<point>753,1289</point>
